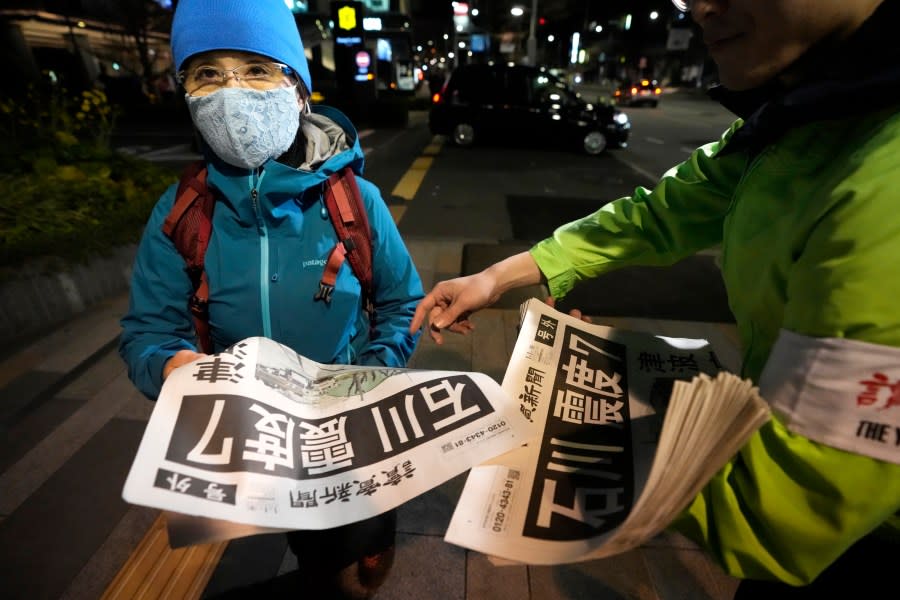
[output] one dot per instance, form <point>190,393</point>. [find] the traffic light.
<point>542,21</point>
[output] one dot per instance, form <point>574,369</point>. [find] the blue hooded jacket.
<point>264,262</point>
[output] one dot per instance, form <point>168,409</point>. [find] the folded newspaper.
<point>259,439</point>
<point>630,426</point>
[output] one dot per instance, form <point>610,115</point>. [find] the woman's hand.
<point>182,357</point>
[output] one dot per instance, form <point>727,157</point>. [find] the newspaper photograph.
<point>268,440</point>
<point>597,396</point>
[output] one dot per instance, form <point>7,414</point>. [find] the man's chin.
<point>740,82</point>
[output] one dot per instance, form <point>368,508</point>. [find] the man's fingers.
<point>424,307</point>
<point>463,327</point>
<point>436,335</point>
<point>447,317</point>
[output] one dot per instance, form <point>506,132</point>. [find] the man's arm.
<point>450,303</point>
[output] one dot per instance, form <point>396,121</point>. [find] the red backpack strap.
<point>189,226</point>
<point>351,223</point>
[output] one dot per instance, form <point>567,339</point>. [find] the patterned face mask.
<point>247,127</point>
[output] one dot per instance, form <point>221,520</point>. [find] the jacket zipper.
<point>255,183</point>
<point>745,354</point>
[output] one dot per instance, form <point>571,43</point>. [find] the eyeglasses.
<point>682,5</point>
<point>206,79</point>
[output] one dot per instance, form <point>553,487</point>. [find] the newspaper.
<point>598,397</point>
<point>259,438</point>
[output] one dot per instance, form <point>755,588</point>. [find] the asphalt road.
<point>505,198</point>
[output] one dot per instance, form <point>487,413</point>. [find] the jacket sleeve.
<point>397,288</point>
<point>787,506</point>
<point>158,322</point>
<point>682,215</point>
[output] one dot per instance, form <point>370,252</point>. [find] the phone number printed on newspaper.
<point>498,515</point>
<point>475,436</point>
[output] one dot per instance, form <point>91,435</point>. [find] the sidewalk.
<point>72,421</point>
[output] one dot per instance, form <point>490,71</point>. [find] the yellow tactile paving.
<point>154,570</point>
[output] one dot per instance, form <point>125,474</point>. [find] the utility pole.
<point>532,34</point>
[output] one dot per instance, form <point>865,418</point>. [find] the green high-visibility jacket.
<point>809,228</point>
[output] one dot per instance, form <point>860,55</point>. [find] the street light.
<point>531,43</point>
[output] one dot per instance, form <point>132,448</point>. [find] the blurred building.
<point>125,43</point>
<point>78,44</point>
<point>588,40</point>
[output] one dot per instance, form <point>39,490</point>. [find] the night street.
<point>458,210</point>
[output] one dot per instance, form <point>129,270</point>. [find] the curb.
<point>34,304</point>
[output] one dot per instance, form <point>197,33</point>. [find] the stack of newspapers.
<point>629,427</point>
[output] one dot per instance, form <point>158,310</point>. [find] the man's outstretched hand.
<point>451,302</point>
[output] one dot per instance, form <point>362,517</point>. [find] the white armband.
<point>839,392</point>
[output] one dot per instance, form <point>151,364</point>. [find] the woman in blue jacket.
<point>268,154</point>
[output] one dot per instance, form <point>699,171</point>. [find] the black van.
<point>521,103</point>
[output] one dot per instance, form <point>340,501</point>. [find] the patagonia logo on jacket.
<point>315,262</point>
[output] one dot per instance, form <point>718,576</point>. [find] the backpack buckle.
<point>198,306</point>
<point>324,292</point>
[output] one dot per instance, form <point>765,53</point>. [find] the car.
<point>481,102</point>
<point>645,92</point>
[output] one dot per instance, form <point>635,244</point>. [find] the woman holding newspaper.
<point>800,193</point>
<point>267,154</point>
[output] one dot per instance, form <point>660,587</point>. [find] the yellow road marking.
<point>409,184</point>
<point>434,147</point>
<point>397,212</point>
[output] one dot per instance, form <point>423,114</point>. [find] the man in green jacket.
<point>802,194</point>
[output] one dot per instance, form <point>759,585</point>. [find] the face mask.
<point>247,127</point>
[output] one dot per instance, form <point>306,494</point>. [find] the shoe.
<point>362,579</point>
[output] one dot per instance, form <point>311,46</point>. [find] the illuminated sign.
<point>461,16</point>
<point>372,23</point>
<point>347,18</point>
<point>348,23</point>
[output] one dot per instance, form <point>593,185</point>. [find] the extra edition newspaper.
<point>259,438</point>
<point>613,461</point>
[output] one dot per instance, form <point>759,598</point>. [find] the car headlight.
<point>620,118</point>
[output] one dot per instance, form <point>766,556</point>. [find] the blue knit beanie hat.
<point>265,27</point>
